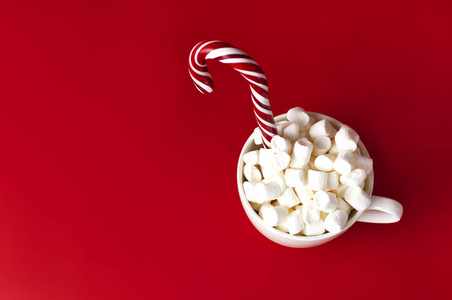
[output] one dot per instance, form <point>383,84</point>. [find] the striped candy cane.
<point>247,67</point>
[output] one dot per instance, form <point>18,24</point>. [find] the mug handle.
<point>382,210</point>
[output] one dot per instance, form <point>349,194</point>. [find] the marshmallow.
<point>295,177</point>
<point>273,215</point>
<point>346,139</point>
<point>321,145</point>
<point>257,136</point>
<point>308,126</point>
<point>298,115</point>
<point>304,194</point>
<point>334,150</point>
<point>256,206</point>
<point>251,158</point>
<point>317,180</point>
<point>355,178</point>
<point>266,157</point>
<point>324,162</point>
<point>344,162</point>
<point>279,179</point>
<point>280,160</point>
<point>267,190</point>
<point>283,226</point>
<point>357,198</point>
<point>341,190</point>
<point>301,154</point>
<point>278,143</point>
<point>335,221</point>
<point>294,222</point>
<point>252,173</point>
<point>333,181</point>
<point>314,228</point>
<point>342,205</point>
<point>269,172</point>
<point>364,163</point>
<point>325,201</point>
<point>310,213</point>
<point>280,127</point>
<point>288,198</point>
<point>321,128</point>
<point>291,132</point>
<point>250,191</point>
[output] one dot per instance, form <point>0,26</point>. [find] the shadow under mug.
<point>381,209</point>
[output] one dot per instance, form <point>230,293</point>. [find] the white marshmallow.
<point>252,173</point>
<point>335,221</point>
<point>273,215</point>
<point>256,206</point>
<point>288,198</point>
<point>298,115</point>
<point>295,177</point>
<point>308,126</point>
<point>334,150</point>
<point>355,178</point>
<point>266,157</point>
<point>341,190</point>
<point>267,190</point>
<point>269,172</point>
<point>251,158</point>
<point>333,181</point>
<point>280,160</point>
<point>317,180</point>
<point>321,145</point>
<point>279,179</point>
<point>324,162</point>
<point>291,132</point>
<point>321,128</point>
<point>250,191</point>
<point>301,154</point>
<point>278,143</point>
<point>257,136</point>
<point>283,226</point>
<point>344,162</point>
<point>304,194</point>
<point>357,198</point>
<point>280,127</point>
<point>325,201</point>
<point>346,139</point>
<point>314,228</point>
<point>310,213</point>
<point>364,163</point>
<point>342,205</point>
<point>294,222</point>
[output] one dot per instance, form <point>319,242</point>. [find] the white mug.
<point>381,210</point>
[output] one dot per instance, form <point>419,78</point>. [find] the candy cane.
<point>247,67</point>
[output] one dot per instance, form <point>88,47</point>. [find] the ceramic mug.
<point>381,210</point>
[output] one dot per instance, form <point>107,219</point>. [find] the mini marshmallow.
<point>346,139</point>
<point>333,181</point>
<point>324,162</point>
<point>314,228</point>
<point>335,221</point>
<point>357,198</point>
<point>288,198</point>
<point>308,126</point>
<point>354,178</point>
<point>310,213</point>
<point>325,201</point>
<point>364,163</point>
<point>317,180</point>
<point>280,160</point>
<point>273,215</point>
<point>279,179</point>
<point>283,226</point>
<point>252,173</point>
<point>266,157</point>
<point>280,127</point>
<point>304,194</point>
<point>250,191</point>
<point>278,143</point>
<point>251,158</point>
<point>267,190</point>
<point>342,205</point>
<point>334,150</point>
<point>301,153</point>
<point>295,177</point>
<point>321,128</point>
<point>321,145</point>
<point>341,190</point>
<point>257,136</point>
<point>291,132</point>
<point>294,222</point>
<point>298,115</point>
<point>344,162</point>
<point>269,172</point>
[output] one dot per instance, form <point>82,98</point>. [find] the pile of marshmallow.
<point>310,179</point>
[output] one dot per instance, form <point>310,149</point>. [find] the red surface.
<point>117,177</point>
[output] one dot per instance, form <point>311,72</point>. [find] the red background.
<point>117,177</point>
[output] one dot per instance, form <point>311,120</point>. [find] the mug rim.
<point>252,214</point>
